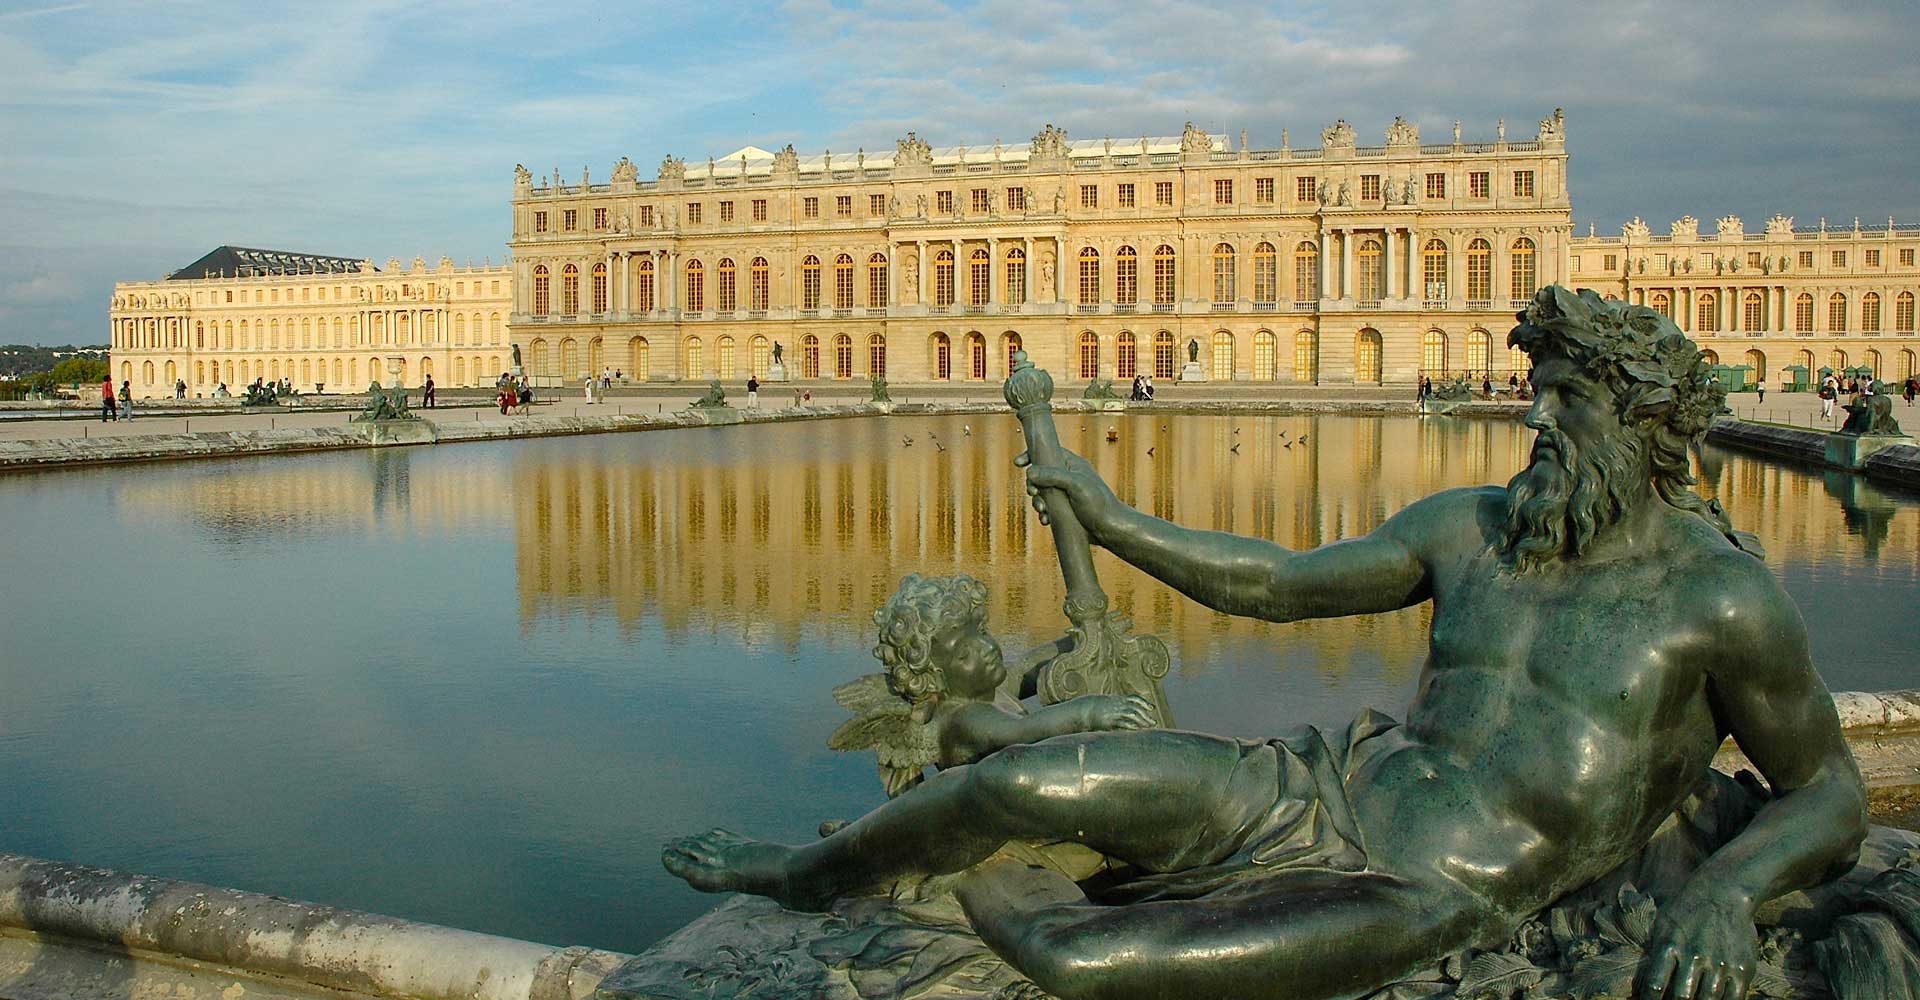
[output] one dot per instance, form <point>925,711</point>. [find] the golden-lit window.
<point>569,290</point>
<point>757,284</point>
<point>1873,258</point>
<point>1223,273</point>
<point>809,356</point>
<point>646,216</point>
<point>1163,354</point>
<point>599,218</point>
<point>1089,276</point>
<point>1163,193</point>
<point>696,286</point>
<point>1837,313</point>
<point>1306,271</point>
<point>539,222</point>
<point>1366,356</point>
<point>1479,184</point>
<point>1369,187</point>
<point>1906,257</point>
<point>1662,303</point>
<point>1016,199</point>
<point>1480,270</point>
<point>1016,277</point>
<point>693,213</point>
<point>842,356</point>
<point>1125,356</point>
<point>759,210</point>
<point>810,208</point>
<point>1089,196</point>
<point>979,277</point>
<point>877,355</point>
<point>1839,258</point>
<point>1706,313</point>
<point>1479,343</point>
<point>1306,356</point>
<point>1263,190</point>
<point>1223,191</point>
<point>1266,362</point>
<point>1523,184</point>
<point>876,281</point>
<point>1124,196</point>
<point>1433,352</point>
<point>727,292</point>
<point>1524,269</point>
<point>1433,271</point>
<point>1806,258</point>
<point>570,220</point>
<point>1903,313</point>
<point>1305,188</point>
<point>599,288</point>
<point>1436,185</point>
<point>810,282</point>
<point>1870,312</point>
<point>1266,274</point>
<point>1163,275</point>
<point>943,202</point>
<point>1370,267</point>
<point>979,198</point>
<point>1222,356</point>
<point>843,206</point>
<point>843,281</point>
<point>726,211</point>
<point>1753,309</point>
<point>1089,355</point>
<point>943,276</point>
<point>876,205</point>
<point>542,293</point>
<point>643,285</point>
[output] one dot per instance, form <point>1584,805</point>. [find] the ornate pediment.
<point>1193,140</point>
<point>1729,226</point>
<point>1554,127</point>
<point>912,151</point>
<point>1636,229</point>
<point>787,161</point>
<point>1338,135</point>
<point>1050,144</point>
<point>673,169</point>
<point>1780,226</point>
<point>1402,133</point>
<point>1685,227</point>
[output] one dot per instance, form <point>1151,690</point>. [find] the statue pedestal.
<point>710,415</point>
<point>776,373</point>
<point>1851,451</point>
<point>1192,372</point>
<point>381,433</point>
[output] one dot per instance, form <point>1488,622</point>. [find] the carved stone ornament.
<point>1390,193</point>
<point>1729,226</point>
<point>624,172</point>
<point>1194,140</point>
<point>1685,227</point>
<point>912,151</point>
<point>522,177</point>
<point>1554,128</point>
<point>1402,133</point>
<point>1637,229</point>
<point>1339,134</point>
<point>1050,143</point>
<point>672,169</point>
<point>1780,226</point>
<point>1412,193</point>
<point>786,161</point>
<point>1346,194</point>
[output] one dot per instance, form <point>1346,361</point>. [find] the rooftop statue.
<point>1597,628</point>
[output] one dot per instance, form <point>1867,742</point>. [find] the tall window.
<point>942,357</point>
<point>1266,363</point>
<point>979,275</point>
<point>1306,356</point>
<point>1479,346</point>
<point>643,286</point>
<point>977,355</point>
<point>1433,352</point>
<point>1306,271</point>
<point>1372,271</point>
<point>1013,343</point>
<point>1366,356</point>
<point>843,281</point>
<point>542,295</point>
<point>1124,356</point>
<point>1126,277</point>
<point>943,278</point>
<point>600,286</point>
<point>1525,271</point>
<point>1803,313</point>
<point>729,297</point>
<point>1163,263</point>
<point>1903,313</point>
<point>842,356</point>
<point>1662,303</point>
<point>696,286</point>
<point>1480,270</point>
<point>757,284</point>
<point>877,355</point>
<point>725,368</point>
<point>694,360</point>
<point>569,290</point>
<point>1223,284</point>
<point>1870,312</point>
<point>809,356</point>
<point>1016,277</point>
<point>1752,310</point>
<point>877,281</point>
<point>1089,355</point>
<point>1163,354</point>
<point>1222,356</point>
<point>1266,274</point>
<point>1706,313</point>
<point>1433,270</point>
<point>1223,191</point>
<point>1837,313</point>
<point>810,282</point>
<point>1089,276</point>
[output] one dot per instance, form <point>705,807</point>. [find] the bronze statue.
<point>715,396</point>
<point>1872,413</point>
<point>1596,630</point>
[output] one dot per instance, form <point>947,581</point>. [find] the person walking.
<point>1761,388</point>
<point>126,398</point>
<point>586,384</point>
<point>427,397</point>
<point>1913,388</point>
<point>753,392</point>
<point>109,412</point>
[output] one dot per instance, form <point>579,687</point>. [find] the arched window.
<point>1706,313</point>
<point>1089,276</point>
<point>1753,313</point>
<point>757,284</point>
<point>1757,361</point>
<point>1016,276</point>
<point>1266,275</point>
<point>1870,312</point>
<point>942,349</point>
<point>459,371</point>
<point>596,357</point>
<point>569,290</point>
<point>1837,312</point>
<point>569,359</point>
<point>199,373</point>
<point>1163,276</point>
<point>639,356</point>
<point>1266,356</point>
<point>695,358</point>
<point>1806,361</point>
<point>1011,343</point>
<point>1306,356</point>
<point>599,288</point>
<point>1803,313</point>
<point>810,282</point>
<point>1433,271</point>
<point>1306,271</point>
<point>1222,356</point>
<point>943,278</point>
<point>199,336</point>
<point>842,356</point>
<point>979,277</point>
<point>337,379</point>
<point>725,367</point>
<point>1662,303</point>
<point>1517,362</point>
<point>759,355</point>
<point>1907,365</point>
<point>977,355</point>
<point>1870,361</point>
<point>1126,358</point>
<point>1903,313</point>
<point>1223,264</point>
<point>643,285</point>
<point>843,282</point>
<point>1525,270</point>
<point>1710,357</point>
<point>1126,277</point>
<point>1366,356</point>
<point>696,299</point>
<point>1480,271</point>
<point>877,281</point>
<point>536,356</point>
<point>729,296</point>
<point>1433,353</point>
<point>877,355</point>
<point>1089,355</point>
<point>1479,347</point>
<point>1372,272</point>
<point>1163,354</point>
<point>459,329</point>
<point>809,356</point>
<point>1837,360</point>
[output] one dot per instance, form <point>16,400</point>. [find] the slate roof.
<point>243,262</point>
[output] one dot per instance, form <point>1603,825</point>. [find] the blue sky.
<point>134,137</point>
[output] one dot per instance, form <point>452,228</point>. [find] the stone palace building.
<point>1340,263</point>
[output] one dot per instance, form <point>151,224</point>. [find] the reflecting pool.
<point>479,685</point>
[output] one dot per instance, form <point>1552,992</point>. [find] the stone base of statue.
<point>775,373</point>
<point>712,416</point>
<point>1193,372</point>
<point>1851,451</point>
<point>381,433</point>
<point>1856,936</point>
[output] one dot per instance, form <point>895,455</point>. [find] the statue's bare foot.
<point>718,861</point>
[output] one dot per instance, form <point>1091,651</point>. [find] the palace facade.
<point>1101,258</point>
<point>1809,296</point>
<point>240,314</point>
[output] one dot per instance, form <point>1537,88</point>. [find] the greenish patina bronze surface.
<point>385,404</point>
<point>715,396</point>
<point>1597,629</point>
<point>1872,414</point>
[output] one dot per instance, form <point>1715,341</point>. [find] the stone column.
<point>893,275</point>
<point>920,272</point>
<point>1026,273</point>
<point>1326,261</point>
<point>1346,263</point>
<point>1060,270</point>
<point>1386,262</point>
<point>671,286</point>
<point>993,264</point>
<point>1416,266</point>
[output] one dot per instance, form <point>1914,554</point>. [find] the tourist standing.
<point>126,398</point>
<point>753,392</point>
<point>586,384</point>
<point>1761,388</point>
<point>108,411</point>
<point>1829,389</point>
<point>1913,388</point>
<point>427,397</point>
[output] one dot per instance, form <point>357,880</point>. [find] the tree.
<point>79,371</point>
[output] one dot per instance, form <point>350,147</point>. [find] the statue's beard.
<point>1567,495</point>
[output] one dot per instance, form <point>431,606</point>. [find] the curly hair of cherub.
<point>922,608</point>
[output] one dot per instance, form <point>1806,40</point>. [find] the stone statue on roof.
<point>912,151</point>
<point>1050,144</point>
<point>1554,127</point>
<point>1338,135</point>
<point>624,172</point>
<point>1193,140</point>
<point>1403,133</point>
<point>672,169</point>
<point>522,177</point>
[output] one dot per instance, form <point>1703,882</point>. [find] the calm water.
<point>479,685</point>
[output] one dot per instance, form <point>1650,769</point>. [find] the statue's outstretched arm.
<point>1765,694</point>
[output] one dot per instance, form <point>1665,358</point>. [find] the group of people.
<point>1517,387</point>
<point>1831,387</point>
<point>513,394</point>
<point>1142,388</point>
<point>597,387</point>
<point>108,408</point>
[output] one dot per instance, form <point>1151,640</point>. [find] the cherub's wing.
<point>865,694</point>
<point>884,726</point>
<point>904,748</point>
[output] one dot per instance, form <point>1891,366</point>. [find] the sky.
<point>134,137</point>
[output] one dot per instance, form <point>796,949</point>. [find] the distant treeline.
<point>31,367</point>
<point>28,359</point>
